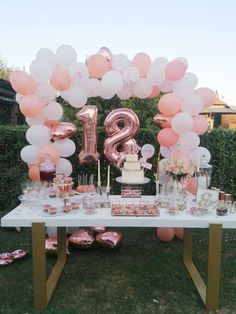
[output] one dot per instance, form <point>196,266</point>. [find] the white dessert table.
<point>34,218</point>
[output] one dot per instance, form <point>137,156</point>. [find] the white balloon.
<point>41,70</point>
<point>156,73</point>
<point>130,74</point>
<point>79,71</point>
<point>38,135</point>
<point>53,111</point>
<point>112,82</point>
<point>126,92</point>
<point>120,62</point>
<point>46,92</point>
<point>65,147</point>
<point>167,86</point>
<point>201,153</point>
<point>46,55</point>
<point>165,151</point>
<point>29,154</point>
<point>142,88</point>
<point>38,120</point>
<point>64,167</point>
<point>147,150</point>
<point>184,87</point>
<point>183,60</point>
<point>192,105</point>
<point>66,56</point>
<point>106,94</point>
<point>93,87</point>
<point>189,140</point>
<point>182,122</point>
<point>76,96</point>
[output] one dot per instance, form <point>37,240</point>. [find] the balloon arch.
<point>106,75</point>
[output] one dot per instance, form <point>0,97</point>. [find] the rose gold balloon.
<point>81,239</point>
<point>19,254</point>
<point>110,240</point>
<point>88,116</point>
<point>120,137</point>
<point>97,230</point>
<point>51,246</point>
<point>6,259</point>
<point>63,130</point>
<point>162,120</point>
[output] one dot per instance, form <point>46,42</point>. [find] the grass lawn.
<point>143,276</point>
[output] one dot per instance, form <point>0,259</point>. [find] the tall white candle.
<point>198,162</point>
<point>108,177</point>
<point>99,173</point>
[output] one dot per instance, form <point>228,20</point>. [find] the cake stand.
<point>131,189</point>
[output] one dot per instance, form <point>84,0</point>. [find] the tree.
<point>4,70</point>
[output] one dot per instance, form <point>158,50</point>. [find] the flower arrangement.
<point>178,168</point>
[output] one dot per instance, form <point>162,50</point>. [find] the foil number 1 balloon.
<point>88,117</point>
<point>119,136</point>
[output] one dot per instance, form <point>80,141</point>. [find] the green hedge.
<point>220,142</point>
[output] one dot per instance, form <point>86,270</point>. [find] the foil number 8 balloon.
<point>120,136</point>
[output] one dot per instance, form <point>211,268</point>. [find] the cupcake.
<point>46,207</point>
<point>52,211</point>
<point>52,194</point>
<point>67,208</point>
<point>74,205</point>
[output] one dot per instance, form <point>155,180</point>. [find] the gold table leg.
<point>209,293</point>
<point>43,288</point>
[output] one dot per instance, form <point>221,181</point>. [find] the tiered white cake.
<point>132,172</point>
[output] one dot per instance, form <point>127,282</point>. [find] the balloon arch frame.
<point>105,75</point>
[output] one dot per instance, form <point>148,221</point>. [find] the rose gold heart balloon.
<point>51,246</point>
<point>162,120</point>
<point>110,240</point>
<point>19,254</point>
<point>63,130</point>
<point>97,230</point>
<point>5,259</point>
<point>81,239</point>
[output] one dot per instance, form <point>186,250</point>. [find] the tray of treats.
<point>135,210</point>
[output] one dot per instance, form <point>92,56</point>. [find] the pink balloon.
<point>98,65</point>
<point>207,95</point>
<point>167,137</point>
<point>175,70</point>
<point>33,172</point>
<point>155,92</point>
<point>22,83</point>
<point>200,125</point>
<point>49,150</point>
<point>169,104</point>
<point>60,79</point>
<point>88,117</point>
<point>165,234</point>
<point>142,62</point>
<point>179,233</point>
<point>31,106</point>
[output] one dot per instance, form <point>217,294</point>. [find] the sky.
<point>202,31</point>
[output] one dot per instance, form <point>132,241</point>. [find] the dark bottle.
<point>221,209</point>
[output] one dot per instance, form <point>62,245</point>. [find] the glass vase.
<point>173,187</point>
